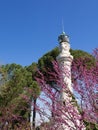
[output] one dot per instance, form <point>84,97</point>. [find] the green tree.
<point>32,69</point>
<point>18,89</point>
<point>45,60</point>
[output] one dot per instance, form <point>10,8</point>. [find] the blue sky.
<point>30,28</point>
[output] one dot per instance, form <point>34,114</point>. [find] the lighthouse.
<point>64,60</point>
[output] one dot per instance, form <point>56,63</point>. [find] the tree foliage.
<point>17,91</point>
<point>85,85</point>
<point>46,60</point>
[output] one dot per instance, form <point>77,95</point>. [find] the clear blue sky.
<point>29,28</point>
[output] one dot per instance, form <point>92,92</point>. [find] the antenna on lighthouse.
<point>63,25</point>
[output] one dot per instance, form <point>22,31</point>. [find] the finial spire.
<point>63,26</point>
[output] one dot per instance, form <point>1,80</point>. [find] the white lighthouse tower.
<point>65,61</point>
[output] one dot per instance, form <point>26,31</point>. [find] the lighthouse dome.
<point>63,38</point>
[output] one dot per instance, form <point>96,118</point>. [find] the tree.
<point>46,60</point>
<point>17,91</point>
<point>32,69</point>
<point>85,84</point>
